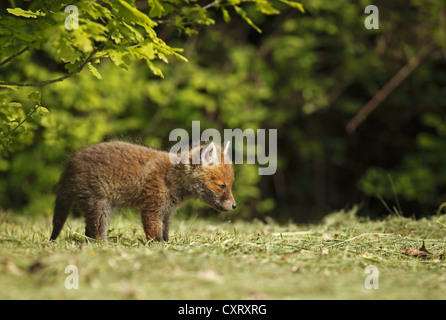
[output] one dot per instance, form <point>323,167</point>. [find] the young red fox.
<point>117,174</point>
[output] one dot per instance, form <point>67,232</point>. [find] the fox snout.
<point>228,205</point>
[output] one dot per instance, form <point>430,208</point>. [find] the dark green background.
<point>307,74</point>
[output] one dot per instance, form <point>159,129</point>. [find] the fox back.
<point>117,174</point>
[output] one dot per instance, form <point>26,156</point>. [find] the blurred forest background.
<point>312,72</point>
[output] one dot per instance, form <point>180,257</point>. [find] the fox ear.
<point>209,154</point>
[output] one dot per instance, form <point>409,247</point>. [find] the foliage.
<point>322,70</point>
<point>419,172</point>
<point>307,73</point>
<point>112,103</point>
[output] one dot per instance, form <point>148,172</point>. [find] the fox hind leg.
<point>97,217</point>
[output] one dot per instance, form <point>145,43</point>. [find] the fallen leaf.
<point>253,245</point>
<point>12,268</point>
<point>423,249</point>
<point>211,275</point>
<point>289,255</point>
<point>327,236</point>
<point>367,255</point>
<point>414,252</point>
<point>295,269</point>
<point>36,267</point>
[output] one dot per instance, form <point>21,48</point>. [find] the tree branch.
<point>23,121</point>
<point>210,5</point>
<point>44,83</point>
<point>390,86</point>
<point>14,56</point>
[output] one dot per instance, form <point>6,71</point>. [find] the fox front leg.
<point>152,223</point>
<point>166,225</point>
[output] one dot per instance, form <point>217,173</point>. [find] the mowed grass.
<point>225,260</point>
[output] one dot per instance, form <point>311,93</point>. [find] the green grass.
<point>225,260</point>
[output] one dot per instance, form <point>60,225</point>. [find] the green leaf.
<point>156,71</point>
<point>156,9</point>
<point>116,36</point>
<point>119,58</point>
<point>73,66</point>
<point>94,71</point>
<point>295,5</point>
<point>41,111</point>
<point>267,8</point>
<point>132,15</point>
<point>226,16</point>
<point>9,87</point>
<point>15,104</point>
<point>67,53</point>
<point>139,37</point>
<point>35,96</point>
<point>242,13</point>
<point>25,13</point>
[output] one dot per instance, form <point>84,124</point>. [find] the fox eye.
<point>222,186</point>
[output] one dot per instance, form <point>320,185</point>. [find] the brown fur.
<point>118,174</point>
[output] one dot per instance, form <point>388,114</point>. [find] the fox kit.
<point>117,174</point>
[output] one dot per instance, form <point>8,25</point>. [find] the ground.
<point>342,257</point>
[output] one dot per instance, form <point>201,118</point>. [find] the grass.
<point>225,260</point>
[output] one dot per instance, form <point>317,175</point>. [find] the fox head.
<point>211,180</point>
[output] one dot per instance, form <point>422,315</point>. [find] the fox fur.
<point>110,175</point>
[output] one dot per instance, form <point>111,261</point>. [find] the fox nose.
<point>234,205</point>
